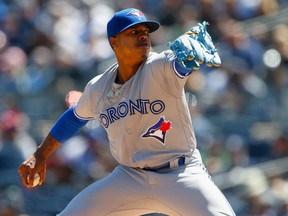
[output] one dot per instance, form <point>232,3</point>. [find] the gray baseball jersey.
<point>148,124</point>
<point>143,129</point>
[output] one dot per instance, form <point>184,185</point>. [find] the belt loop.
<point>174,163</point>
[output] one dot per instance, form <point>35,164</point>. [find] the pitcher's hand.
<point>30,167</point>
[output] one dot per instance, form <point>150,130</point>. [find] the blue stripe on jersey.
<point>180,71</point>
<point>67,125</point>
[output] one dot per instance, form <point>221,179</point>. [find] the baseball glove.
<point>195,47</point>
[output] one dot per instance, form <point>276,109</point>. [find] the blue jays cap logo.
<point>136,13</point>
<point>126,18</point>
<point>158,130</point>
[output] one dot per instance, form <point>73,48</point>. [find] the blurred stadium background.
<point>239,111</point>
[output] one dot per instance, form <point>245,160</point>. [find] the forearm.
<point>67,126</point>
<point>47,147</point>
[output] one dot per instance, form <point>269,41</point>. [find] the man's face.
<point>134,42</point>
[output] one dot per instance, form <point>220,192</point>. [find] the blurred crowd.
<point>49,47</point>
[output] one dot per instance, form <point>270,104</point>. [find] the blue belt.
<point>180,161</point>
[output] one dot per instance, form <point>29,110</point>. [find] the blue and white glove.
<point>194,48</point>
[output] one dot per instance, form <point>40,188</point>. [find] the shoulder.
<point>160,61</point>
<point>164,57</point>
<point>167,54</point>
<point>94,80</point>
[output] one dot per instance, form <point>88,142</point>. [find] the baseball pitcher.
<point>140,101</point>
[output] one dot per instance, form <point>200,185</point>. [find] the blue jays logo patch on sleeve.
<point>158,130</point>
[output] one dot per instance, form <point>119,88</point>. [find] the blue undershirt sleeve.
<point>67,125</point>
<point>181,72</point>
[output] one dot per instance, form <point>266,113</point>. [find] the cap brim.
<point>152,25</point>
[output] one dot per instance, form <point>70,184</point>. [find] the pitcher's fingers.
<point>30,178</point>
<point>23,175</point>
<point>42,177</point>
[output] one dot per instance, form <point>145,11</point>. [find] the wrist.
<point>48,146</point>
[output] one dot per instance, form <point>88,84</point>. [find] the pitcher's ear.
<point>113,42</point>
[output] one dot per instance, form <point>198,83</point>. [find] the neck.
<point>126,71</point>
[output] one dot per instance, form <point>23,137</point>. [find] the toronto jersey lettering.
<point>143,106</point>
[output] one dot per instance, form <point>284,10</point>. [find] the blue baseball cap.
<point>124,19</point>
